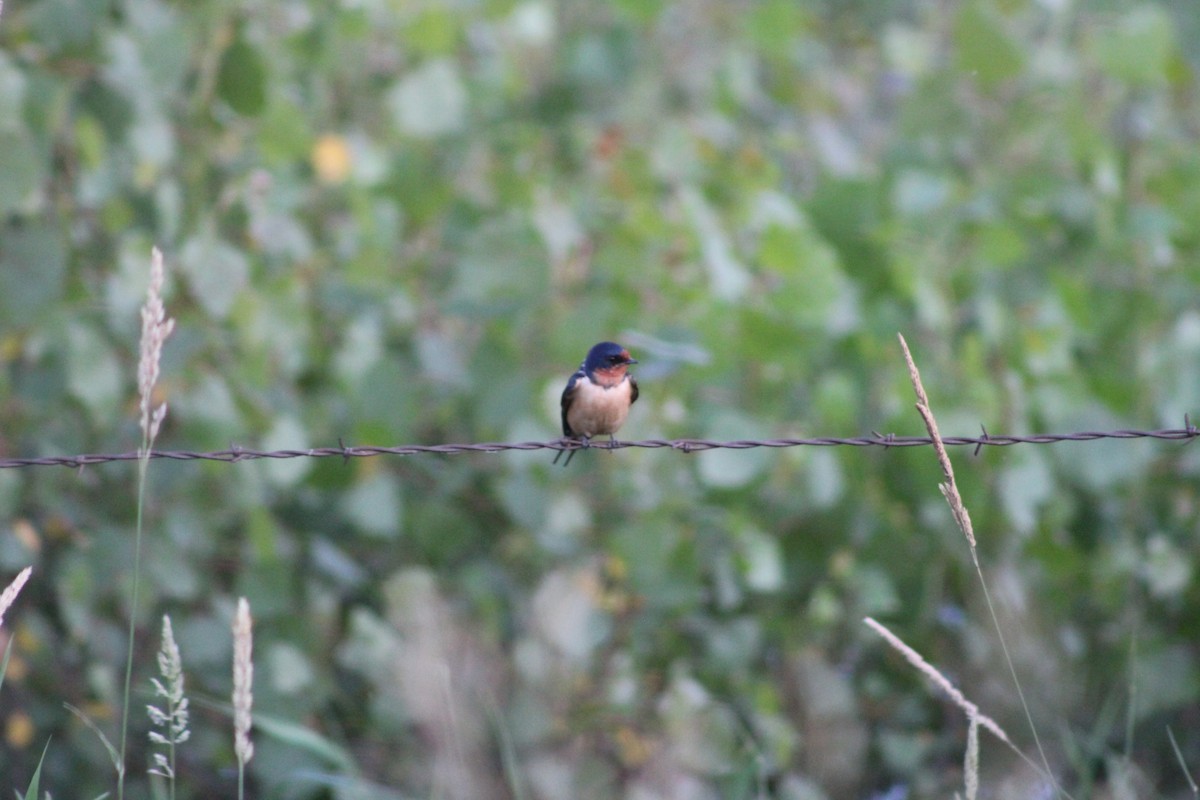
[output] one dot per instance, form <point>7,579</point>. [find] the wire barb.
<point>236,453</point>
<point>984,439</point>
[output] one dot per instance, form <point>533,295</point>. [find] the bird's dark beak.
<point>631,360</point>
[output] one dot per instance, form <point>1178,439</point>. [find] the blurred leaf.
<point>442,359</point>
<point>12,96</point>
<point>153,141</point>
<point>374,506</point>
<point>89,138</point>
<point>1167,570</point>
<point>826,482</point>
<point>643,10</point>
<point>114,111</point>
<point>296,735</point>
<point>726,468</point>
<point>165,41</point>
<point>727,275</point>
<point>774,26</point>
<point>904,751</point>
<point>762,560</point>
<point>361,349</point>
<point>21,171</point>
<point>242,78</point>
<point>917,193</point>
<point>1025,485</point>
<point>216,271</point>
<point>600,57</point>
<point>286,132</point>
<point>434,32</point>
<point>62,24</point>
<point>94,373</point>
<point>208,400</point>
<point>32,270</point>
<point>662,569</point>
<point>876,591</point>
<point>337,565</point>
<point>430,101</point>
<point>1001,244</point>
<point>205,638</point>
<point>1138,46</point>
<point>290,671</point>
<point>567,519</point>
<point>814,292</point>
<point>837,401</point>
<point>502,265</point>
<point>286,433</point>
<point>1165,678</point>
<point>984,48</point>
<point>383,407</point>
<point>910,50</point>
<point>531,24</point>
<point>566,614</point>
<point>700,732</point>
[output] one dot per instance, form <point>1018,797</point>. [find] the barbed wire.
<point>346,452</point>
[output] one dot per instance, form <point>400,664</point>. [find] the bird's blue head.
<point>608,358</point>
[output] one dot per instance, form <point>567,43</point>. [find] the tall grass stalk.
<point>958,509</point>
<point>1183,763</point>
<point>172,721</point>
<point>9,595</point>
<point>155,330</point>
<point>243,679</point>
<point>7,598</point>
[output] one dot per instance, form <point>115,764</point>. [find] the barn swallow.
<point>598,395</point>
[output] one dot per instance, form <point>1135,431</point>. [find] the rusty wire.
<point>888,440</point>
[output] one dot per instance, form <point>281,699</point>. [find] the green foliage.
<point>242,78</point>
<point>34,789</point>
<point>406,222</point>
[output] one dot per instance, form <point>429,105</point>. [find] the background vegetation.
<point>404,222</point>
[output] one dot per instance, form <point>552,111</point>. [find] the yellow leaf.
<point>331,158</point>
<point>18,732</point>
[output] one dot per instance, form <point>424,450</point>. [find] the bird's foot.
<point>583,442</point>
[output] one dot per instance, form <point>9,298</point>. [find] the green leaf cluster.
<point>390,223</point>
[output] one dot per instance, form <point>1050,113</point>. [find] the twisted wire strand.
<point>346,452</point>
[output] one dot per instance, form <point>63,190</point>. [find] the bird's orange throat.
<point>608,377</point>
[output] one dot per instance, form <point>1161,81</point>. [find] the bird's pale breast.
<point>596,410</point>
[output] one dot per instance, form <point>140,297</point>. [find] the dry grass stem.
<point>971,760</point>
<point>243,677</point>
<point>940,680</point>
<point>156,327</point>
<point>950,487</point>
<point>155,330</point>
<point>950,491</point>
<point>9,595</point>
